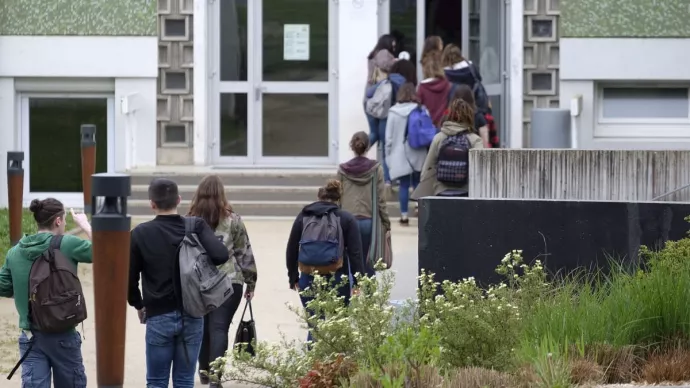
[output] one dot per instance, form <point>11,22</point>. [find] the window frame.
<point>69,199</point>
<point>639,127</point>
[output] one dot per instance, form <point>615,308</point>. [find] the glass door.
<point>293,85</point>
<point>486,40</point>
<point>273,90</point>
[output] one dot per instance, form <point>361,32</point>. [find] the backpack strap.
<point>55,242</point>
<point>473,71</point>
<point>189,222</point>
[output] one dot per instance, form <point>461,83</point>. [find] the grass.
<point>28,227</point>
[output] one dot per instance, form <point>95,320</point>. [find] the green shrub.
<point>28,227</point>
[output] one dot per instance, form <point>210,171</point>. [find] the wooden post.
<point>15,193</point>
<point>110,225</point>
<point>88,162</point>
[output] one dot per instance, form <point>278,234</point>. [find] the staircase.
<point>252,193</point>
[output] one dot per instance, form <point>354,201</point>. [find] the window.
<point>643,111</point>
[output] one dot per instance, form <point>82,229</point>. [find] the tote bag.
<point>246,331</point>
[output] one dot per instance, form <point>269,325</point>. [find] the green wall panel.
<point>625,18</point>
<point>78,17</point>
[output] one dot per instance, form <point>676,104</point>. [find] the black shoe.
<point>404,221</point>
<point>204,379</point>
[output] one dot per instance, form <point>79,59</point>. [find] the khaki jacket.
<point>428,185</point>
<point>357,193</point>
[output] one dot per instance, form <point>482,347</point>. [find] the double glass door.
<point>272,82</point>
<point>478,27</point>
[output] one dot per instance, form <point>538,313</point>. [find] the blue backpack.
<point>420,128</point>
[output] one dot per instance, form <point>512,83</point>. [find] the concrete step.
<point>141,207</point>
<point>243,193</point>
<point>243,178</point>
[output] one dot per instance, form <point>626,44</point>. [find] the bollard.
<point>15,193</point>
<point>88,162</point>
<point>110,226</point>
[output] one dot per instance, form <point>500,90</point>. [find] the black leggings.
<point>216,326</point>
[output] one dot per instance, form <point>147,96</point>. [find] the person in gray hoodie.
<point>404,162</point>
<point>379,63</point>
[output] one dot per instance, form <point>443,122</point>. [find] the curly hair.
<point>461,112</point>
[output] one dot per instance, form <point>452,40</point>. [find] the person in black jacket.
<point>173,338</point>
<point>328,198</point>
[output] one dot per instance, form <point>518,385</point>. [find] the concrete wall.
<point>625,18</point>
<point>579,174</point>
<point>459,237</point>
<point>78,17</point>
<point>122,67</point>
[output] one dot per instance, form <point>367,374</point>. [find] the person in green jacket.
<point>56,353</point>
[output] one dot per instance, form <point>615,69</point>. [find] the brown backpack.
<point>56,300</point>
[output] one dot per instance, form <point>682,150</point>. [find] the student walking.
<point>481,126</point>
<point>434,90</point>
<point>173,337</point>
<point>48,343</point>
<point>364,197</point>
<point>405,163</point>
<point>210,204</point>
<point>379,91</point>
<point>446,167</point>
<point>324,239</point>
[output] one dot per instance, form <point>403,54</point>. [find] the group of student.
<point>51,304</point>
<point>425,129</point>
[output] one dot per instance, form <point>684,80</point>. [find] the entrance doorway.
<point>478,27</point>
<point>271,85</point>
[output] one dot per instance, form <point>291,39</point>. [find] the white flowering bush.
<point>462,325</point>
<point>480,326</point>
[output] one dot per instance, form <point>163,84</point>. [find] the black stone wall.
<point>463,237</point>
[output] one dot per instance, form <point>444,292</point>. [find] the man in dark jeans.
<point>173,338</point>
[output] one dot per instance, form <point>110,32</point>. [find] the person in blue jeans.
<point>328,198</point>
<point>45,356</point>
<point>405,162</point>
<point>173,338</point>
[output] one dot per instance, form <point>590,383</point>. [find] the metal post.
<point>15,193</point>
<point>110,225</point>
<point>88,162</point>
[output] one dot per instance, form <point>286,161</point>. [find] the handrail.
<point>671,192</point>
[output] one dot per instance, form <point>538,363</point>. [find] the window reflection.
<point>295,125</point>
<point>233,40</point>
<point>54,141</point>
<point>276,16</point>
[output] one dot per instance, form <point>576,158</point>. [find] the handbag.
<point>381,244</point>
<point>246,331</point>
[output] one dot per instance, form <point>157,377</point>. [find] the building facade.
<point>262,84</point>
<point>624,67</point>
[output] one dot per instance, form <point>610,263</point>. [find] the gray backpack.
<point>204,288</point>
<point>321,246</point>
<point>378,103</point>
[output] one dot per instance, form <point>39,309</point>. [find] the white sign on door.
<point>296,42</point>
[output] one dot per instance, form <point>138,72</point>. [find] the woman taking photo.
<point>209,202</point>
<point>360,176</point>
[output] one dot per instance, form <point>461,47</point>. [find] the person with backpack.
<point>407,118</point>
<point>324,239</point>
<point>461,71</point>
<point>403,71</point>
<point>481,126</point>
<point>210,204</point>
<point>434,90</point>
<point>42,267</point>
<point>446,168</point>
<point>378,94</point>
<point>363,197</point>
<point>164,252</point>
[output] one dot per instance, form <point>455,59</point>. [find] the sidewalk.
<point>271,314</point>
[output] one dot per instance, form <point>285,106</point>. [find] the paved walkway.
<point>271,314</point>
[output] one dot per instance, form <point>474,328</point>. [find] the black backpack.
<point>452,166</point>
